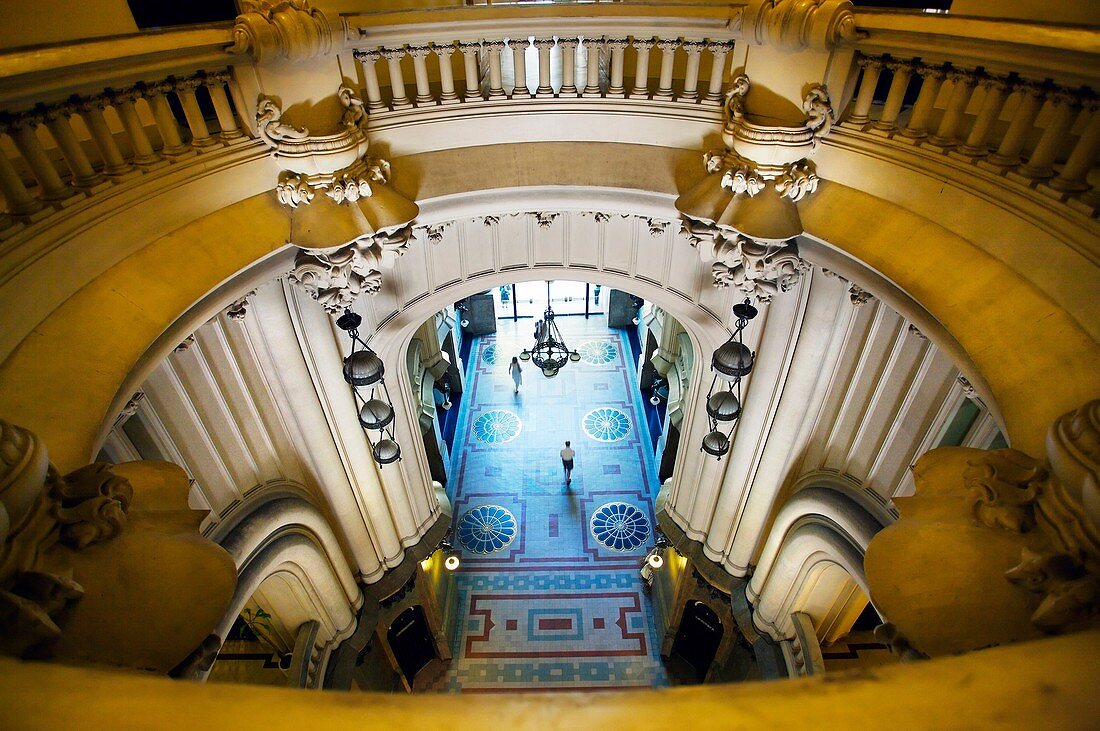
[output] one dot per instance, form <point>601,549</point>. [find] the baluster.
<point>519,62</point>
<point>1008,153</point>
<point>641,67</point>
<point>544,45</point>
<point>446,73</point>
<point>888,122</point>
<point>145,157</point>
<point>931,79</point>
<point>568,48</point>
<point>227,121</point>
<point>169,129</point>
<point>470,50</point>
<point>861,112</point>
<point>1081,159</point>
<point>20,201</point>
<point>23,131</point>
<point>84,175</point>
<point>114,164</point>
<point>992,104</point>
<point>617,46</point>
<point>1041,163</point>
<point>420,74</point>
<point>719,49</point>
<point>592,61</point>
<point>694,49</point>
<point>496,81</point>
<point>200,133</point>
<point>668,54</point>
<point>963,86</point>
<point>393,58</point>
<point>370,78</point>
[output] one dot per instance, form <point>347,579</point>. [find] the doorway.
<point>698,639</point>
<point>411,642</point>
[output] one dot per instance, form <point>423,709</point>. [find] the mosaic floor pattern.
<point>547,601</point>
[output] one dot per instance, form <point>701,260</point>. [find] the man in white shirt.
<point>567,456</point>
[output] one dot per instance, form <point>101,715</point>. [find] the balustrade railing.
<point>450,72</point>
<point>54,155</point>
<point>1032,131</point>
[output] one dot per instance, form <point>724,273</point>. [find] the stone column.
<point>946,136</point>
<point>20,202</point>
<point>227,121</point>
<point>370,78</point>
<point>420,72</point>
<point>617,46</point>
<point>668,54</point>
<point>470,68</point>
<point>992,104</point>
<point>861,112</point>
<point>200,133</point>
<point>165,120</point>
<point>1080,161</point>
<point>393,58</point>
<point>592,59</point>
<point>23,131</point>
<point>84,175</point>
<point>519,60</point>
<point>544,45</point>
<point>496,82</point>
<point>1008,153</point>
<point>691,73</point>
<point>446,73</point>
<point>114,165</point>
<point>1041,163</point>
<point>888,122</point>
<point>568,48</point>
<point>145,157</point>
<point>641,67</point>
<point>719,50</point>
<point>931,79</point>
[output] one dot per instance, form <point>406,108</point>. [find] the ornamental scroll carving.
<point>38,510</point>
<point>742,216</point>
<point>795,24</point>
<point>289,30</point>
<point>348,222</point>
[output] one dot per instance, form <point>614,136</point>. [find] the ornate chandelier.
<point>363,368</point>
<point>550,352</point>
<point>730,363</point>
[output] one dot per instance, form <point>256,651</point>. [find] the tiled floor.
<point>552,608</point>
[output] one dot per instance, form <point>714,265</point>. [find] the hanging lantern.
<point>730,363</point>
<point>363,369</point>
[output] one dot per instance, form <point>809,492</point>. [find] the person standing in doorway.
<point>567,456</point>
<point>516,373</point>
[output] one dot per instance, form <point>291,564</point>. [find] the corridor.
<point>542,603</point>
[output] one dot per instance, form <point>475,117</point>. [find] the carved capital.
<point>443,50</point>
<point>393,54</point>
<point>367,56</point>
<point>719,48</point>
<point>283,29</point>
<point>238,309</point>
<point>419,51</point>
<point>694,48</point>
<point>568,43</point>
<point>544,44</point>
<point>336,279</point>
<point>617,44</point>
<point>669,44</point>
<point>657,227</point>
<point>544,220</point>
<point>493,46</point>
<point>858,295</point>
<point>644,44</point>
<point>519,44</point>
<point>938,72</point>
<point>756,269</point>
<point>871,62</point>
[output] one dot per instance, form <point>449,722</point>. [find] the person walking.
<point>567,456</point>
<point>516,373</point>
<point>538,332</point>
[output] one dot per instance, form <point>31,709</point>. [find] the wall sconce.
<point>452,556</point>
<point>655,399</point>
<point>363,368</point>
<point>460,309</point>
<point>730,363</point>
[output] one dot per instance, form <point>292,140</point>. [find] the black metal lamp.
<point>730,363</point>
<point>364,369</point>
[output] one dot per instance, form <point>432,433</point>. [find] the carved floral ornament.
<point>348,222</point>
<point>742,216</point>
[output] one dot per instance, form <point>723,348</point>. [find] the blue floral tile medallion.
<point>606,424</point>
<point>489,354</point>
<point>619,526</point>
<point>597,352</point>
<point>487,528</point>
<point>497,427</point>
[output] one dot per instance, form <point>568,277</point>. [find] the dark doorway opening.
<point>698,639</point>
<point>411,642</point>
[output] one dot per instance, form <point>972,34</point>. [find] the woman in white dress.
<point>516,372</point>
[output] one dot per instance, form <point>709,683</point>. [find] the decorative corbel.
<point>793,25</point>
<point>288,30</point>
